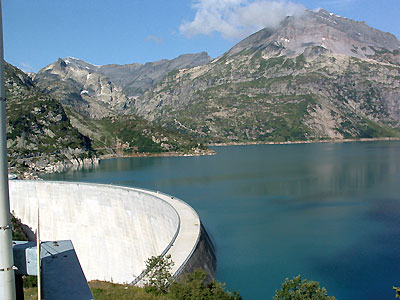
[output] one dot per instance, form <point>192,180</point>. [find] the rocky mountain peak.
<point>337,34</point>
<point>137,78</point>
<point>79,64</point>
<point>78,86</point>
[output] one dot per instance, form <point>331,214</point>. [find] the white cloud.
<point>237,18</point>
<point>154,39</point>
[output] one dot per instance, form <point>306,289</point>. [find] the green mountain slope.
<point>129,135</point>
<point>251,98</point>
<point>39,134</point>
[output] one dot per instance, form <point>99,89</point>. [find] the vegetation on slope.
<point>194,287</point>
<point>38,130</point>
<point>17,232</point>
<point>130,135</point>
<point>236,117</point>
<point>252,97</point>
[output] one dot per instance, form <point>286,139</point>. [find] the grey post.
<point>7,280</point>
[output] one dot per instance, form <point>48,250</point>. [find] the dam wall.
<point>114,229</point>
<point>203,257</point>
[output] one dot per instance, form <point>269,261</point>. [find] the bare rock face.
<point>334,33</point>
<point>77,85</point>
<point>102,91</point>
<point>137,78</point>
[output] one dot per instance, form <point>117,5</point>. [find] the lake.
<point>327,211</point>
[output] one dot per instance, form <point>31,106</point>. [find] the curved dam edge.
<point>115,229</point>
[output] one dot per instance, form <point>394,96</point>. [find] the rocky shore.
<point>34,170</point>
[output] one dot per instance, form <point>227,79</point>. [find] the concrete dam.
<point>115,229</point>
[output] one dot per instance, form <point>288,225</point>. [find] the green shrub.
<point>196,287</point>
<point>298,289</point>
<point>158,277</point>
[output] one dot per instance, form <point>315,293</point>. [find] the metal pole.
<point>39,269</point>
<point>7,279</point>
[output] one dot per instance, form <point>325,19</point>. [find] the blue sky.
<point>38,32</point>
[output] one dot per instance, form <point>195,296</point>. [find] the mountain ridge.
<point>102,91</point>
<point>317,76</point>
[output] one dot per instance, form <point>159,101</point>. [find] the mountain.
<point>318,76</point>
<point>97,106</point>
<point>137,78</point>
<point>336,34</point>
<point>130,135</point>
<point>109,90</point>
<point>77,85</point>
<point>45,136</point>
<point>39,134</point>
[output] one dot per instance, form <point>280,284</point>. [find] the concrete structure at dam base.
<point>114,230</point>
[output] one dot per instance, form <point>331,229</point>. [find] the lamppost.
<point>7,279</point>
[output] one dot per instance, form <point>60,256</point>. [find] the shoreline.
<point>305,142</point>
<point>162,154</point>
<point>62,167</point>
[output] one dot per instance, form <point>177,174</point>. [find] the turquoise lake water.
<point>330,212</point>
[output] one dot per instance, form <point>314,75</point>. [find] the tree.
<point>298,289</point>
<point>158,274</point>
<point>196,287</point>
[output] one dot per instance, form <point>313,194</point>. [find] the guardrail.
<point>195,245</point>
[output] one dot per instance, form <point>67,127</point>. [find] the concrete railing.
<point>179,269</point>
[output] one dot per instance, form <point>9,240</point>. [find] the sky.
<point>38,32</point>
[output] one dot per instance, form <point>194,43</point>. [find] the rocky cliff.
<point>77,85</point>
<point>137,78</point>
<point>336,34</point>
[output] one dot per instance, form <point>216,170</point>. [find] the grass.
<point>30,294</point>
<point>372,129</point>
<point>102,290</point>
<point>105,291</point>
